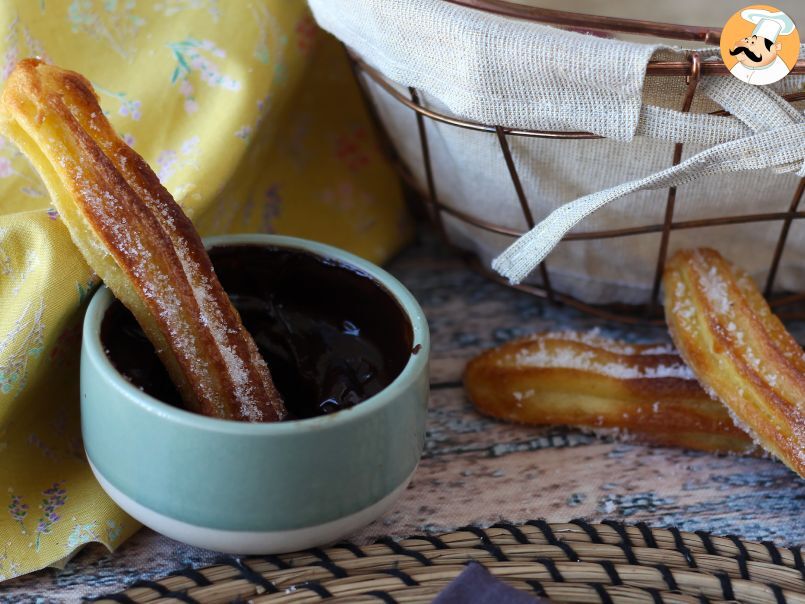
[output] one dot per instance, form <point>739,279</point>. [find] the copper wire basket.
<point>691,69</point>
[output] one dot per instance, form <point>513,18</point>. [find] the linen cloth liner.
<point>779,144</point>
<point>497,70</point>
<point>225,102</point>
<point>519,74</point>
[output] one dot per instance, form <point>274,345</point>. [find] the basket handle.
<point>587,22</point>
<point>778,143</point>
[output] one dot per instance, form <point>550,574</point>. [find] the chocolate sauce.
<point>331,335</point>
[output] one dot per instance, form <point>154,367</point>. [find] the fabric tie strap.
<point>778,143</point>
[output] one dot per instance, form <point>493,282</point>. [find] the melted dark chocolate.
<point>331,335</point>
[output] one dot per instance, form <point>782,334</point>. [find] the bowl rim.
<point>92,348</point>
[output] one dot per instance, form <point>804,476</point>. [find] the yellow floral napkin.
<point>250,116</point>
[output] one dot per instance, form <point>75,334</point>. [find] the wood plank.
<point>758,499</point>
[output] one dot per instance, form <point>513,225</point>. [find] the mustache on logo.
<point>743,49</point>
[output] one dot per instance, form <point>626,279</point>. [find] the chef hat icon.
<point>769,24</point>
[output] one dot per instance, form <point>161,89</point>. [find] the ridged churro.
<point>646,392</point>
<point>137,239</point>
<point>738,349</point>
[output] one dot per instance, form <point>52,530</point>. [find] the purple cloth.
<point>475,585</point>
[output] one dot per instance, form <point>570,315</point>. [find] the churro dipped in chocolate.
<point>738,349</point>
<point>137,239</point>
<point>644,391</point>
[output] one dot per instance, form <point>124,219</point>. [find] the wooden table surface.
<point>477,471</point>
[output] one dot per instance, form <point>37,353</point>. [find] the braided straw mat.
<point>573,562</point>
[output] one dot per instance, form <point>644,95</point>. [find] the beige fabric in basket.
<point>778,144</point>
<point>518,74</point>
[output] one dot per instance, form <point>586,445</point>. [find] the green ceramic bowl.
<point>254,488</point>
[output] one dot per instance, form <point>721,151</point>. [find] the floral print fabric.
<point>250,117</point>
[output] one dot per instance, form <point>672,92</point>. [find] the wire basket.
<point>691,70</point>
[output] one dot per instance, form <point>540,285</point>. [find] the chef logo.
<point>759,44</point>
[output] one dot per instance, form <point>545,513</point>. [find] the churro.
<point>645,392</point>
<point>137,239</point>
<point>740,352</point>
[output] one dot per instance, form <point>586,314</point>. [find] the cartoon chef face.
<point>758,54</point>
<point>755,51</point>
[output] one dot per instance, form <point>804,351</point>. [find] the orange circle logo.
<point>760,44</point>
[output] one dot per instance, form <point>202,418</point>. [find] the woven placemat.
<point>566,562</point>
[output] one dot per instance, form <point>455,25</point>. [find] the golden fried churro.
<point>137,239</point>
<point>582,379</point>
<point>739,351</point>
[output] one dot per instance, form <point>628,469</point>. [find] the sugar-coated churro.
<point>138,240</point>
<point>738,349</point>
<point>644,391</point>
